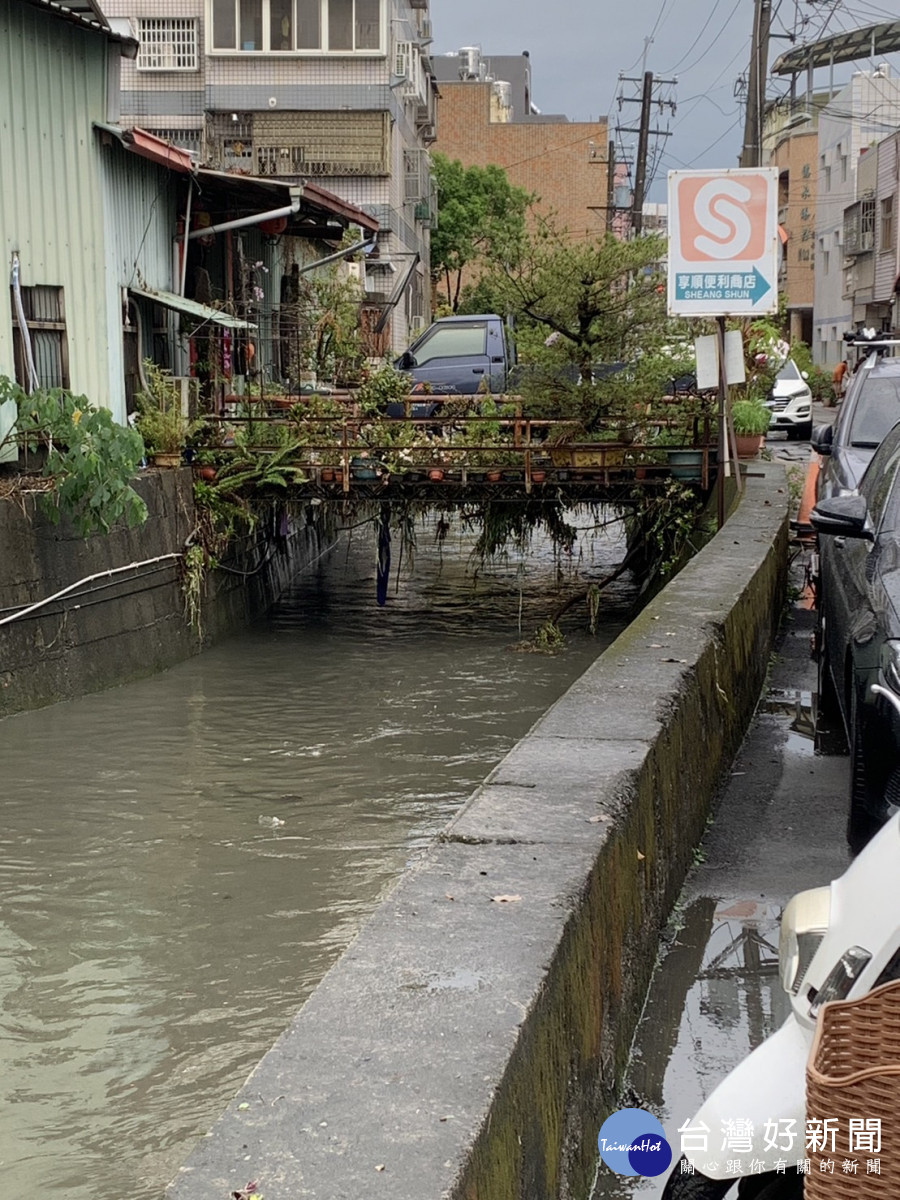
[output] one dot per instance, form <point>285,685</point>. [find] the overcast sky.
<point>579,47</point>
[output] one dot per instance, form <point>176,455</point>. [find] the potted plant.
<point>751,421</point>
<point>160,420</point>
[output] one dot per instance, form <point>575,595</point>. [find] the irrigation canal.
<point>186,856</point>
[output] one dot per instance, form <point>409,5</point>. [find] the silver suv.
<point>790,402</point>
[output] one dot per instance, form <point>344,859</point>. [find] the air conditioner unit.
<point>190,393</point>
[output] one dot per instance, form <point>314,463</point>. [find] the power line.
<point>689,50</point>
<point>712,145</point>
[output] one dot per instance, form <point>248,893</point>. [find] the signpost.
<point>723,243</point>
<point>723,260</point>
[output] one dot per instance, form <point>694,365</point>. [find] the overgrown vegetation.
<point>87,457</point>
<point>163,425</point>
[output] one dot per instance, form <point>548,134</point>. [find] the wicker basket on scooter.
<point>853,1075</point>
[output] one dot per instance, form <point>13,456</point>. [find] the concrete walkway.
<point>779,827</point>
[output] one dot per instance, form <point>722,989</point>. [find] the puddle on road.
<point>800,706</point>
<point>714,998</point>
<point>716,994</point>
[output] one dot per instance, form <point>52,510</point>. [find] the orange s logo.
<point>722,219</point>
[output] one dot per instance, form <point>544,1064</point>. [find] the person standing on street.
<point>837,380</point>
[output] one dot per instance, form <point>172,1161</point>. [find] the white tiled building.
<point>339,92</point>
<point>857,118</point>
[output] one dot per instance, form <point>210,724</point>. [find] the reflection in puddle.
<point>715,997</point>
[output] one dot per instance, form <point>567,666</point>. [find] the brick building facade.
<point>562,162</point>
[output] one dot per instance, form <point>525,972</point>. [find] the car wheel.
<point>861,825</point>
<point>694,1187</point>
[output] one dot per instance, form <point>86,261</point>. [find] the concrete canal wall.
<point>120,626</point>
<point>470,1042</point>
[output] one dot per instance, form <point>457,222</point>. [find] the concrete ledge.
<point>470,1047</point>
<point>132,624</point>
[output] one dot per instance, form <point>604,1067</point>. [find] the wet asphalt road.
<point>778,828</point>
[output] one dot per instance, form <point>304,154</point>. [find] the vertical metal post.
<point>184,243</point>
<point>724,448</point>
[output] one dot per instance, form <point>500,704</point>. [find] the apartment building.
<point>871,245</point>
<point>859,117</point>
<point>336,92</point>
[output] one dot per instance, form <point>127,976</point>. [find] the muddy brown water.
<point>185,857</point>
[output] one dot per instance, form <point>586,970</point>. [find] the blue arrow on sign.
<point>725,290</point>
<point>762,286</point>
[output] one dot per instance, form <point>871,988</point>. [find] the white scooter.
<point>837,943</point>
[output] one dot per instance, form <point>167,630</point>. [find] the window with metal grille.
<point>187,139</point>
<point>293,26</point>
<point>887,224</point>
<point>45,329</point>
<point>867,222</point>
<point>167,44</point>
<point>300,143</point>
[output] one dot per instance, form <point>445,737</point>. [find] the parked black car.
<point>869,409</point>
<point>859,633</point>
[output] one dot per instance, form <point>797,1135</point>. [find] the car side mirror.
<point>406,361</point>
<point>805,374</point>
<point>822,439</point>
<point>842,516</point>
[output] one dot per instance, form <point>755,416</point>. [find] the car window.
<point>876,411</point>
<point>452,341</point>
<point>790,372</point>
<point>877,485</point>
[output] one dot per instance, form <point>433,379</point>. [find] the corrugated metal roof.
<point>148,145</point>
<point>258,193</point>
<point>193,308</point>
<point>84,12</point>
<point>868,42</point>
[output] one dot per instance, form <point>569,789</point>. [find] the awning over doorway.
<point>193,308</point>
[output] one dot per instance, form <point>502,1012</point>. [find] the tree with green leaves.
<point>583,305</point>
<point>481,217</point>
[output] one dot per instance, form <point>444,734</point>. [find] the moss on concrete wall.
<point>132,623</point>
<point>540,1138</point>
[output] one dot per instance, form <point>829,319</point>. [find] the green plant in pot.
<point>162,424</point>
<point>751,421</point>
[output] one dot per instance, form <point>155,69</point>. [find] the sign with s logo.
<point>723,242</point>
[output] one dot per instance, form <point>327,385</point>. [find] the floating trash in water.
<point>271,822</point>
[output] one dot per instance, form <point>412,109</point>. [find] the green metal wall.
<point>53,86</point>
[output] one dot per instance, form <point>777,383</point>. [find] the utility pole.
<point>610,185</point>
<point>640,170</point>
<point>751,155</point>
<point>644,132</point>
